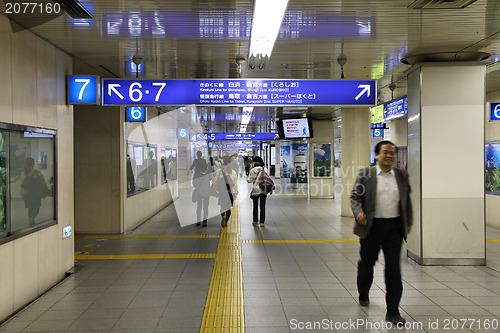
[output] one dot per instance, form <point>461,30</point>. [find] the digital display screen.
<point>296,128</point>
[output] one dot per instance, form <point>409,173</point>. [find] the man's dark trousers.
<point>388,235</point>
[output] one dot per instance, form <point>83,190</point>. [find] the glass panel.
<point>172,166</point>
<point>165,158</point>
<point>3,181</point>
<point>142,167</point>
<point>131,169</point>
<point>31,173</point>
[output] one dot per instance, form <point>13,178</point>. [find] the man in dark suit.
<point>380,201</point>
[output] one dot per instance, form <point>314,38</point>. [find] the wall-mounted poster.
<point>300,158</point>
<point>322,160</point>
<point>285,159</point>
<point>492,168</point>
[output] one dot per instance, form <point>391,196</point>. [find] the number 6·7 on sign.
<point>83,89</point>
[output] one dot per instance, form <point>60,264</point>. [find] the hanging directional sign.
<point>237,136</point>
<point>83,89</point>
<point>226,92</point>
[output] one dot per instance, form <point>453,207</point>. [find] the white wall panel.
<point>5,72</point>
<point>26,270</point>
<point>24,79</point>
<point>46,84</point>
<point>48,257</point>
<point>454,228</point>
<point>444,84</point>
<point>399,132</point>
<point>493,211</point>
<point>452,162</point>
<point>6,280</point>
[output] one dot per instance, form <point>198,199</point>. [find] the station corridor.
<point>296,272</point>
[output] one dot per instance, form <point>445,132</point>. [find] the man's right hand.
<point>361,218</point>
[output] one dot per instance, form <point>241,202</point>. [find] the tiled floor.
<point>288,286</point>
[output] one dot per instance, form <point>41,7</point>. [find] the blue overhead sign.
<point>238,92</point>
<point>83,89</point>
<point>237,136</point>
<point>495,111</point>
<point>135,113</point>
<point>396,108</point>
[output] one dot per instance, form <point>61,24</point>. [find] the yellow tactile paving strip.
<point>224,311</point>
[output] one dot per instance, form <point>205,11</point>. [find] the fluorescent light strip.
<point>245,118</point>
<point>267,18</point>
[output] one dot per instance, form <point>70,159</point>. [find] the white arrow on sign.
<point>111,87</point>
<point>366,88</point>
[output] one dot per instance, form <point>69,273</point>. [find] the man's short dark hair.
<point>384,142</point>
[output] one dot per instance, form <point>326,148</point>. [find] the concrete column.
<point>355,143</point>
<point>446,162</point>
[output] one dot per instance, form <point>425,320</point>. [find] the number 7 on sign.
<point>162,84</point>
<point>87,81</point>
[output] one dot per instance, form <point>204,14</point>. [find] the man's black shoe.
<point>396,319</point>
<point>364,302</point>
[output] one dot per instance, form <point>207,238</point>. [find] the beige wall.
<point>355,150</point>
<point>32,92</point>
<point>98,186</point>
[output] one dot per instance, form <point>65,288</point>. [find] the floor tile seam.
<point>148,237</point>
<point>144,256</point>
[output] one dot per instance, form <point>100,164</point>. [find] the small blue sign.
<point>183,133</point>
<point>246,92</point>
<point>378,125</point>
<point>396,108</point>
<point>495,111</point>
<point>83,89</point>
<point>377,133</point>
<point>192,138</point>
<point>136,113</point>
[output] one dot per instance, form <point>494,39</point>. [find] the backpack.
<point>265,182</point>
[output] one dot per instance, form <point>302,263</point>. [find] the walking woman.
<point>224,186</point>
<point>257,195</point>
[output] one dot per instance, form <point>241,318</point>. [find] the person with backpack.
<point>262,185</point>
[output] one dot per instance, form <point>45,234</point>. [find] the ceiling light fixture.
<point>266,23</point>
<point>342,59</point>
<point>245,118</point>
